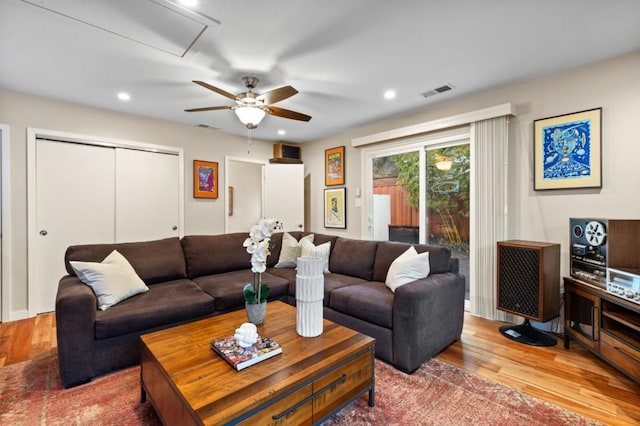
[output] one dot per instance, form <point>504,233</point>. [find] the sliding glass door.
<point>448,171</point>
<point>420,194</point>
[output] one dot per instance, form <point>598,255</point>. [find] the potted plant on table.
<point>258,244</point>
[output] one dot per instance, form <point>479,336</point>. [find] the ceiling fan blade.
<point>286,113</point>
<point>215,89</point>
<point>208,108</point>
<point>277,95</point>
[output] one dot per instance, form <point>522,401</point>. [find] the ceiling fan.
<point>251,107</point>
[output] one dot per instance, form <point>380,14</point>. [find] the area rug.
<point>31,393</point>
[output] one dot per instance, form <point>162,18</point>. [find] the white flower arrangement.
<point>258,244</point>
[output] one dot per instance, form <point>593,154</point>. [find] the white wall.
<point>20,111</point>
<point>613,85</point>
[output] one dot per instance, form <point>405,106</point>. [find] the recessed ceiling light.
<point>189,3</point>
<point>124,96</point>
<point>281,132</point>
<point>390,94</point>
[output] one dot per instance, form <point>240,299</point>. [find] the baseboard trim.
<point>19,315</point>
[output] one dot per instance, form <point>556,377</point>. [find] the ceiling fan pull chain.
<point>249,142</point>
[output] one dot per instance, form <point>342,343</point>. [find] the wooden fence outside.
<point>441,224</point>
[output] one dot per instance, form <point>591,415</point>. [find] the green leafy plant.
<point>250,295</point>
<point>408,169</point>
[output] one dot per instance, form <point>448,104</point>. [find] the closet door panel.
<point>147,195</point>
<point>75,204</point>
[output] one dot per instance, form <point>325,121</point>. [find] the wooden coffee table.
<point>314,377</point>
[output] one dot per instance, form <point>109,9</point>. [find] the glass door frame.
<point>420,143</point>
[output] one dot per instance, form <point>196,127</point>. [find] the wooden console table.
<point>607,325</point>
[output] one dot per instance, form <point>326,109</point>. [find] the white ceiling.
<point>340,55</point>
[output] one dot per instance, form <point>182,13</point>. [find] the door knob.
<point>175,228</point>
<point>43,232</point>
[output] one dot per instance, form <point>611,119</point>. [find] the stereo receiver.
<point>624,283</point>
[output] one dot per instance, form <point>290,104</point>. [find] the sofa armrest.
<point>76,306</point>
<point>427,316</point>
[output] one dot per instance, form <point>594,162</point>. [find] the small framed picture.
<point>335,208</point>
<point>567,151</point>
<point>334,166</point>
<point>205,179</point>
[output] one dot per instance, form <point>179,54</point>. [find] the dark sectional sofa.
<point>200,276</point>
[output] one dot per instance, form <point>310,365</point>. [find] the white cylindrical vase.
<point>309,296</point>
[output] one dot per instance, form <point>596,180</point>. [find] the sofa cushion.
<point>154,261</point>
<point>214,254</point>
<point>331,281</point>
<point>336,281</point>
<point>353,257</point>
<point>112,280</point>
<point>371,301</point>
<point>322,238</point>
<point>226,288</point>
<point>290,250</point>
<point>439,257</point>
<point>276,246</point>
<point>322,251</point>
<point>407,267</point>
<point>164,304</point>
<point>288,274</point>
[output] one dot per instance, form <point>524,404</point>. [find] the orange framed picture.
<point>334,166</point>
<point>205,179</point>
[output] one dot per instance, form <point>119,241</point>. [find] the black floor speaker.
<point>529,286</point>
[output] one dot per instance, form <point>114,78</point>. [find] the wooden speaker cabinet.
<point>529,285</point>
<point>281,151</point>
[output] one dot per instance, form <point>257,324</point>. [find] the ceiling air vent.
<point>207,126</point>
<point>438,90</point>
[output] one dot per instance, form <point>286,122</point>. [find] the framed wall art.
<point>334,166</point>
<point>205,179</point>
<point>335,208</point>
<point>567,151</point>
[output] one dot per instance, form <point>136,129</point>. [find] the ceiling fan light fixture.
<point>250,116</point>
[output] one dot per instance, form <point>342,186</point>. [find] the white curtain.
<point>489,152</point>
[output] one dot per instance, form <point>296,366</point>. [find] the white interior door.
<point>75,203</point>
<point>147,195</point>
<point>244,202</point>
<point>284,194</point>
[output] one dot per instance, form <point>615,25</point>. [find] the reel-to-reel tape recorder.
<point>601,244</point>
<point>589,250</point>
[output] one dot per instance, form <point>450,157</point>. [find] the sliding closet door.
<point>147,195</point>
<point>75,204</point>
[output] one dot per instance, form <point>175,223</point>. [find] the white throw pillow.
<point>291,249</point>
<point>113,280</point>
<point>407,267</point>
<point>322,251</point>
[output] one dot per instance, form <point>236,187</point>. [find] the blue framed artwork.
<point>567,151</point>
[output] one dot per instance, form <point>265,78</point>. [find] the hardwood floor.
<point>574,379</point>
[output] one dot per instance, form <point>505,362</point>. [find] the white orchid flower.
<point>258,243</point>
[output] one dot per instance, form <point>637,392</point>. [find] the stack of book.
<point>239,357</point>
